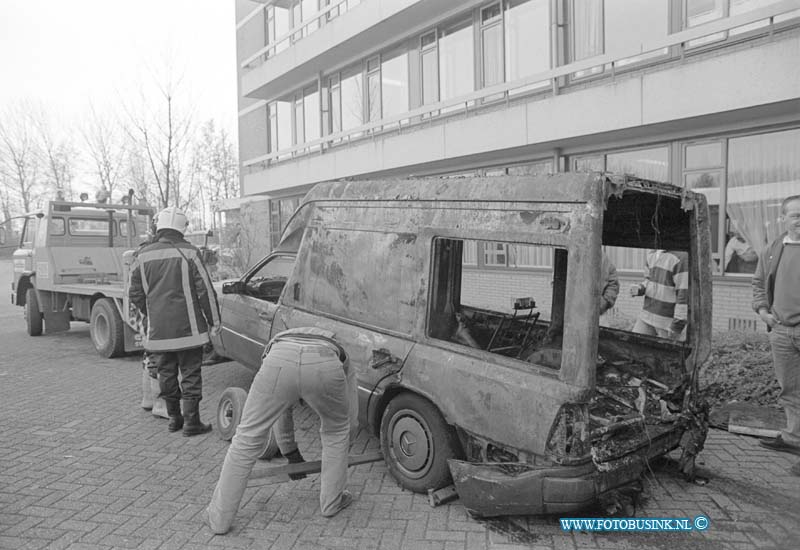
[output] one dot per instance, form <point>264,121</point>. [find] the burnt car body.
<point>504,384</point>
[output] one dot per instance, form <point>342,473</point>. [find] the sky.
<point>71,54</point>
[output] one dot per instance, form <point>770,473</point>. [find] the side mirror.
<point>234,287</point>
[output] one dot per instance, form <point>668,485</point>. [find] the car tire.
<point>417,442</point>
<point>106,329</point>
<point>229,412</point>
<point>33,317</point>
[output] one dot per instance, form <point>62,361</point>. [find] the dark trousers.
<point>188,362</point>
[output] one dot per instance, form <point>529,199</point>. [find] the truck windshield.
<point>87,226</point>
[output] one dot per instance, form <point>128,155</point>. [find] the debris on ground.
<point>740,370</point>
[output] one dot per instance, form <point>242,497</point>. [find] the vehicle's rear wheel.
<point>106,329</point>
<point>229,414</point>
<point>416,443</point>
<point>33,317</point>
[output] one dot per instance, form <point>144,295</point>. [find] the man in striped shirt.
<point>666,294</point>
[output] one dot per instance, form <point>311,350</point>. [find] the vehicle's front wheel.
<point>229,414</point>
<point>416,443</point>
<point>106,329</point>
<point>33,317</point>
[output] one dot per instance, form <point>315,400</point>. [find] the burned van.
<point>501,380</point>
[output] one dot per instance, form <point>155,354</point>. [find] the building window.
<point>280,210</point>
<point>531,169</point>
<point>630,23</point>
<point>456,61</point>
<point>394,83</point>
<point>763,169</point>
<point>527,38</point>
<point>311,113</point>
<point>299,120</point>
<point>352,91</point>
<point>373,89</point>
<point>704,172</point>
<point>280,117</point>
<point>335,91</point>
<point>492,70</point>
<point>700,12</point>
<point>277,27</point>
<point>429,62</point>
<point>587,28</point>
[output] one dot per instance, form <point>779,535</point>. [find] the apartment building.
<point>699,93</point>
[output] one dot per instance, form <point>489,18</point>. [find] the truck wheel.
<point>229,414</point>
<point>106,329</point>
<point>416,443</point>
<point>33,317</point>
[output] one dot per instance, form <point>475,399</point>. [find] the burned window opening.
<point>495,312</point>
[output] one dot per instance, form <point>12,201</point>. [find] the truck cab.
<point>502,382</point>
<point>70,266</point>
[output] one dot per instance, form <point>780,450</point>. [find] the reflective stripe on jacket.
<point>171,286</point>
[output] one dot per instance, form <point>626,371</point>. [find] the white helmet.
<point>172,218</point>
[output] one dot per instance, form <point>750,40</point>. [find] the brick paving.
<point>83,467</point>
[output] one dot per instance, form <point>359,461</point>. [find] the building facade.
<point>700,93</point>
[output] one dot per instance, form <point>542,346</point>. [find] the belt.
<point>312,339</point>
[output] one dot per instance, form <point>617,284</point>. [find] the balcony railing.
<point>292,35</point>
<point>476,99</point>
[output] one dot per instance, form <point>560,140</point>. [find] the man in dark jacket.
<point>171,287</point>
<point>776,299</point>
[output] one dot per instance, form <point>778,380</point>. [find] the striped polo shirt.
<point>666,295</point>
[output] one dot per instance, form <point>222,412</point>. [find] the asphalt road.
<point>82,466</point>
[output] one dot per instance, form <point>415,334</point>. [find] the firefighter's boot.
<point>174,412</point>
<point>159,405</point>
<point>295,458</point>
<point>147,394</point>
<point>193,426</point>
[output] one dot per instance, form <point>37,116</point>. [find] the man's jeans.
<point>785,343</point>
<point>289,372</point>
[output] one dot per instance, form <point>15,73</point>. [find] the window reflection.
<point>311,113</point>
<point>527,38</point>
<point>763,169</point>
<point>587,34</point>
<point>456,68</point>
<point>394,84</point>
<point>352,99</point>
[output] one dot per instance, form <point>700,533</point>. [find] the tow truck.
<point>72,265</point>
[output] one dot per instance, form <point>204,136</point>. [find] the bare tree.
<point>161,136</point>
<point>216,167</point>
<point>20,164</point>
<point>106,147</point>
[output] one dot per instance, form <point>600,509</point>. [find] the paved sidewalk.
<point>83,467</point>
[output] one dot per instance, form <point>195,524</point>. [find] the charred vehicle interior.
<point>645,400</point>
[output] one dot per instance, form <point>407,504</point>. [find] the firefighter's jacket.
<point>171,287</point>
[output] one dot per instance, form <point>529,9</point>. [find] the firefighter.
<point>172,288</point>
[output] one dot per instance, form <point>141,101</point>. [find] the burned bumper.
<point>498,489</point>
